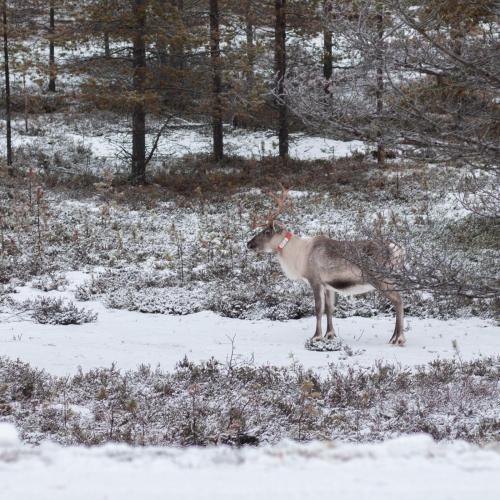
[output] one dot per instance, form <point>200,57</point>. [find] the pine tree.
<point>138,88</point>
<point>280,68</point>
<point>52,64</point>
<point>215,58</point>
<point>141,72</point>
<point>14,31</point>
<point>5,27</point>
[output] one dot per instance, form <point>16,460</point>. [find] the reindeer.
<point>331,266</point>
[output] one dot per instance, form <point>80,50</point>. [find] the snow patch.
<point>8,435</point>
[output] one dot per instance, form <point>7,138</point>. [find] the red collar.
<point>284,241</point>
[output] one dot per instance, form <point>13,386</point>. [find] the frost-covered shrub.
<point>250,296</point>
<point>25,384</point>
<point>122,280</point>
<point>172,300</point>
<point>48,283</point>
<point>259,299</point>
<point>89,290</point>
<point>6,300</point>
<point>55,311</point>
<point>209,403</point>
<point>144,291</point>
<point>67,158</point>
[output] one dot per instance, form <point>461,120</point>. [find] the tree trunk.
<point>327,54</point>
<point>249,32</point>
<point>380,83</point>
<point>161,50</point>
<point>107,51</point>
<point>280,66</point>
<point>161,39</point>
<point>139,81</point>
<point>177,43</point>
<point>7,88</point>
<point>52,64</point>
<point>26,104</point>
<point>457,41</point>
<point>218,144</point>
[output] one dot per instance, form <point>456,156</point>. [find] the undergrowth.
<point>163,252</point>
<point>209,403</point>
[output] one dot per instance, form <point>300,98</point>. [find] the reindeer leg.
<point>398,337</point>
<point>329,301</point>
<point>319,305</point>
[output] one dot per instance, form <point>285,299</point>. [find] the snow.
<point>130,338</point>
<point>193,139</point>
<point>8,436</point>
<point>412,467</point>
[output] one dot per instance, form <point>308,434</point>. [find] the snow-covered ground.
<point>413,467</point>
<point>190,140</point>
<point>409,467</point>
<point>132,338</point>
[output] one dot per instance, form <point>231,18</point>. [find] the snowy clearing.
<point>130,338</point>
<point>413,467</point>
<point>193,139</point>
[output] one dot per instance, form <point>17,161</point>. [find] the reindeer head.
<point>272,230</point>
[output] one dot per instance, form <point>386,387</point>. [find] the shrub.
<point>210,402</point>
<point>48,283</point>
<point>55,311</point>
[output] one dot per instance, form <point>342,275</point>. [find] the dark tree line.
<point>153,51</point>
<point>417,75</point>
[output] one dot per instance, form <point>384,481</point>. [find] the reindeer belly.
<point>346,287</point>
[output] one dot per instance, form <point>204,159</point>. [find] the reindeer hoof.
<point>398,340</point>
<point>330,335</point>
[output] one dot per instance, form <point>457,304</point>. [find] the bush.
<point>55,311</point>
<point>209,403</point>
<point>259,298</point>
<point>48,283</point>
<point>172,300</point>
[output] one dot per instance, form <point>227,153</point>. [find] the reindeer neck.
<point>284,242</point>
<point>292,257</point>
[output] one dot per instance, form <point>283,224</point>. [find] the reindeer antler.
<point>273,214</point>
